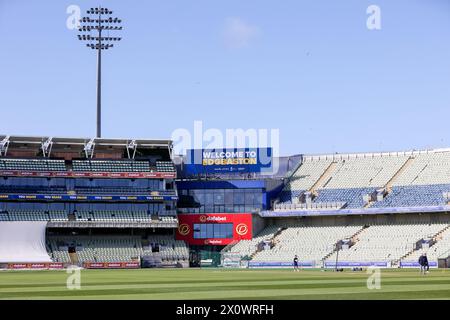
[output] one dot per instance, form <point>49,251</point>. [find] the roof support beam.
<point>47,147</point>
<point>132,146</point>
<point>4,144</point>
<point>89,148</point>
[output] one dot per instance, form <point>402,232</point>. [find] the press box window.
<point>213,231</point>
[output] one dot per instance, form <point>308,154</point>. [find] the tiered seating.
<point>96,215</point>
<point>441,249</point>
<point>117,216</point>
<point>170,249</point>
<point>32,189</point>
<point>304,178</point>
<point>27,215</point>
<point>168,219</point>
<point>415,195</point>
<point>84,216</point>
<point>249,247</point>
<point>308,243</point>
<point>115,190</point>
<point>353,197</point>
<point>4,216</point>
<point>141,216</point>
<point>32,165</point>
<point>314,206</point>
<point>58,216</point>
<point>111,165</point>
<point>387,242</point>
<point>365,172</point>
<point>59,250</point>
<point>427,168</point>
<point>350,178</point>
<point>117,248</point>
<point>164,166</point>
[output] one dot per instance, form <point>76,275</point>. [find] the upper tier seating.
<point>111,165</point>
<point>353,197</point>
<point>32,165</point>
<point>414,195</point>
<point>165,166</point>
<point>428,168</point>
<point>407,179</point>
<point>364,172</point>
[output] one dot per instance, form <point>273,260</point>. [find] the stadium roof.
<point>46,144</point>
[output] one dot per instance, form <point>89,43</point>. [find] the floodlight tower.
<point>91,27</point>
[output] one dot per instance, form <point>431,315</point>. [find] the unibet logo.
<point>184,229</point>
<point>241,229</point>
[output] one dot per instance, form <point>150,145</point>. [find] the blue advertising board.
<point>279,264</point>
<point>356,264</point>
<point>414,264</point>
<point>225,161</point>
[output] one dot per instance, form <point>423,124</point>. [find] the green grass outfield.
<point>224,284</point>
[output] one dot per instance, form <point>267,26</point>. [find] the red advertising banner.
<point>241,227</point>
<point>112,265</point>
<point>45,266</point>
<point>73,174</point>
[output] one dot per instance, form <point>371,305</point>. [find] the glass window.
<point>249,195</point>
<point>209,197</point>
<point>213,230</point>
<point>228,197</point>
<point>219,196</point>
<point>239,197</point>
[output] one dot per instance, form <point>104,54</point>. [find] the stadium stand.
<point>387,242</point>
<point>404,179</point>
<point>165,166</point>
<point>308,242</point>
<point>250,247</point>
<point>111,166</point>
<point>115,248</point>
<point>32,165</point>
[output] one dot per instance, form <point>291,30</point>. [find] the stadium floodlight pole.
<point>97,21</point>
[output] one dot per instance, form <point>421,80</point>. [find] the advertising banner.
<point>112,265</point>
<point>350,264</point>
<point>66,197</point>
<point>415,264</point>
<point>233,160</point>
<point>76,174</point>
<point>37,266</point>
<point>272,264</point>
<point>236,226</point>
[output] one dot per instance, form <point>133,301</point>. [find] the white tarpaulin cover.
<point>23,241</point>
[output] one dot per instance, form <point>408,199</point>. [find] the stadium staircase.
<point>435,237</point>
<point>274,240</point>
<point>390,183</point>
<point>324,177</point>
<point>354,238</point>
<point>229,246</point>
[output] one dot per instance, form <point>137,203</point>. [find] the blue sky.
<point>311,69</point>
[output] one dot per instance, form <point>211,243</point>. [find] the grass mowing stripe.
<point>222,284</point>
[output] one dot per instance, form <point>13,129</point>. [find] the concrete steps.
<point>406,164</point>
<point>324,177</point>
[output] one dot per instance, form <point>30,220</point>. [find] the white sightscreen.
<point>23,241</point>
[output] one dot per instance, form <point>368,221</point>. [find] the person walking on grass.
<point>424,266</point>
<point>296,263</point>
